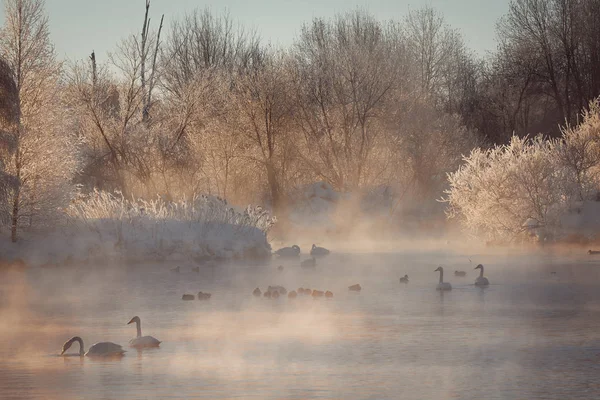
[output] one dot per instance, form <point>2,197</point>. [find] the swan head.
<point>70,342</point>
<point>439,269</point>
<point>295,247</point>
<point>134,319</point>
<point>479,266</point>
<point>314,246</point>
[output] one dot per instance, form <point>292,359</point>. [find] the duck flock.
<point>109,349</point>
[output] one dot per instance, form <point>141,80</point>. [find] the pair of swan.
<point>480,281</point>
<point>110,349</point>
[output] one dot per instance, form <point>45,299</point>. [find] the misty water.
<point>531,334</point>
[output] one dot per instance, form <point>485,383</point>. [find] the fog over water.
<point>530,334</point>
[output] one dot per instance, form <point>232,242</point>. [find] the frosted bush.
<point>204,227</point>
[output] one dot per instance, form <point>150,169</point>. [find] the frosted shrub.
<point>502,192</point>
<point>204,226</point>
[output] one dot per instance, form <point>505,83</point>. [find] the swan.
<point>318,251</point>
<point>442,285</point>
<point>310,263</point>
<point>481,280</point>
<point>102,349</point>
<point>141,341</point>
<point>293,251</point>
<point>404,279</point>
<point>460,273</point>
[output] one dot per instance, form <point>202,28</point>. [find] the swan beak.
<point>130,322</point>
<point>62,352</point>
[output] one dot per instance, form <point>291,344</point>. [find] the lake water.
<point>530,335</point>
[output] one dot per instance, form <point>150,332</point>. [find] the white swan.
<point>142,341</point>
<point>442,285</point>
<point>293,251</point>
<point>318,251</point>
<point>102,349</point>
<point>481,280</point>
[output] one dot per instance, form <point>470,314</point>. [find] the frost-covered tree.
<point>45,156</point>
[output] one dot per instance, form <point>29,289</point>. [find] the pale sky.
<point>78,26</point>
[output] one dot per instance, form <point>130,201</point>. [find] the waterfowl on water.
<point>279,289</point>
<point>280,268</point>
<point>275,294</point>
<point>328,294</point>
<point>442,285</point>
<point>257,292</point>
<point>460,273</point>
<point>195,269</point>
<point>481,280</point>
<point>188,297</point>
<point>292,294</point>
<point>355,288</point>
<point>404,279</point>
<point>101,349</point>
<point>318,293</point>
<point>176,269</point>
<point>142,341</point>
<point>593,251</point>
<point>267,294</point>
<point>293,251</point>
<point>203,296</point>
<point>318,251</point>
<point>310,263</point>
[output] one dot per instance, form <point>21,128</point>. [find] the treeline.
<point>207,107</point>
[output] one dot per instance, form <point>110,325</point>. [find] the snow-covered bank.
<point>104,226</point>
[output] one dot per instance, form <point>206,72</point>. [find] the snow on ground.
<point>104,227</point>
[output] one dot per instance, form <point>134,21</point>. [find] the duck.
<point>203,296</point>
<point>257,292</point>
<point>142,341</point>
<point>176,269</point>
<point>267,295</point>
<point>590,252</point>
<point>279,289</point>
<point>355,288</point>
<point>101,349</point>
<point>275,294</point>
<point>328,294</point>
<point>460,273</point>
<point>309,263</point>
<point>404,279</point>
<point>195,269</point>
<point>319,251</point>
<point>481,280</point>
<point>292,294</point>
<point>188,297</point>
<point>317,293</point>
<point>442,285</point>
<point>285,252</point>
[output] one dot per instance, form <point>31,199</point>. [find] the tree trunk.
<point>15,216</point>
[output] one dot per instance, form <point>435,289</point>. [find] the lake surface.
<point>530,335</point>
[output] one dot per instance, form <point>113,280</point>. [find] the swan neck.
<point>441,275</point>
<point>81,348</point>
<point>138,325</point>
<point>481,272</point>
